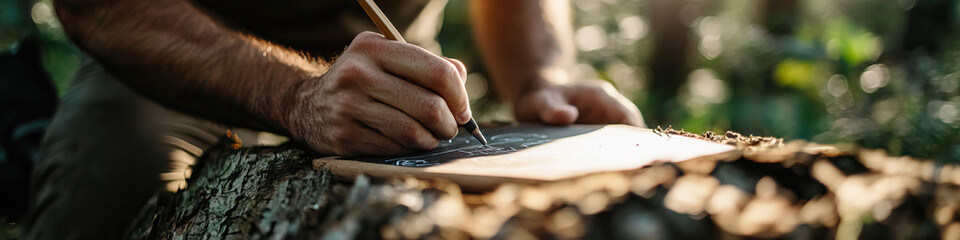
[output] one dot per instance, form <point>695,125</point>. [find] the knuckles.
<point>366,35</point>
<point>601,87</point>
<point>351,73</point>
<point>432,110</point>
<point>354,69</point>
<point>448,80</point>
<point>460,68</point>
<point>365,41</point>
<point>345,104</point>
<point>589,89</point>
<point>350,67</point>
<point>445,73</point>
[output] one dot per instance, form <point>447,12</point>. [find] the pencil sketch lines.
<point>465,148</point>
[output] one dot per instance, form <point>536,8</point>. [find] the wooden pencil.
<point>381,20</point>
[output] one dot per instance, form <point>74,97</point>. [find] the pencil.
<point>390,32</point>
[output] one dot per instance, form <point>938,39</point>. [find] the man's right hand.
<point>380,97</point>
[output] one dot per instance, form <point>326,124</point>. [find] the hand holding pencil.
<point>380,97</point>
<point>390,32</point>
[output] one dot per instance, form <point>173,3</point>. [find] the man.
<point>234,62</point>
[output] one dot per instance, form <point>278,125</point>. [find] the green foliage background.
<point>881,74</point>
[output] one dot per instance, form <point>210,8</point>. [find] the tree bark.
<point>774,189</point>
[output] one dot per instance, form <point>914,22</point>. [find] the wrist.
<point>287,102</point>
<point>515,93</point>
<point>544,79</point>
<point>289,98</point>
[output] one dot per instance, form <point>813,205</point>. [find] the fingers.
<point>604,105</point>
<point>631,114</point>
<point>416,102</point>
<point>625,111</point>
<point>360,140</point>
<point>414,64</point>
<point>587,103</point>
<point>461,69</point>
<point>399,127</point>
<point>548,106</point>
<point>436,74</point>
<point>559,114</point>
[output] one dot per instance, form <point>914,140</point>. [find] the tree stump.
<point>775,189</point>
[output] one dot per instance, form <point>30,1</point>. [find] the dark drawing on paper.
<point>501,140</point>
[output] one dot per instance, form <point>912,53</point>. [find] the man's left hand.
<point>594,102</point>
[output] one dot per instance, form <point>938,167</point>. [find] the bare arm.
<point>380,97</point>
<point>171,51</point>
<point>527,47</point>
<point>523,42</point>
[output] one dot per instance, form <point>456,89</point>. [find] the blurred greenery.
<point>881,74</point>
<point>23,18</point>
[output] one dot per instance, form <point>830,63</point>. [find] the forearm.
<point>525,44</point>
<point>172,52</point>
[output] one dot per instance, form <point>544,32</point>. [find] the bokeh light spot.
<point>41,13</point>
<point>875,77</point>
<point>633,28</point>
<point>591,38</point>
<point>837,85</point>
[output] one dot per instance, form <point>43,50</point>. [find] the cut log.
<point>774,189</point>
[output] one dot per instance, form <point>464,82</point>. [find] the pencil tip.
<point>481,138</point>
